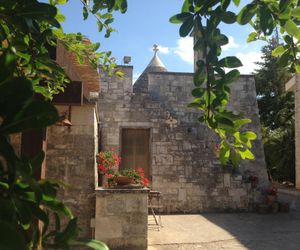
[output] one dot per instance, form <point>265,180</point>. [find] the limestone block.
<point>109,228</point>
<point>182,194</point>
<point>227,178</point>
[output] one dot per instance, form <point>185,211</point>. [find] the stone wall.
<point>297,129</point>
<point>70,159</point>
<point>183,166</point>
<point>121,218</point>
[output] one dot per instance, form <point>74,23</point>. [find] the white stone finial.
<point>155,48</point>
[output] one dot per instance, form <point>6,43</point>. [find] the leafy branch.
<point>213,82</point>
<point>28,29</point>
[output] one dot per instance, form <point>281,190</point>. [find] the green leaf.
<point>200,74</point>
<point>123,6</point>
<point>292,29</point>
<point>100,26</point>
<point>14,93</point>
<point>235,158</point>
<point>230,62</point>
<point>69,234</point>
<point>224,153</point>
<point>198,92</point>
<point>225,4</point>
<point>252,37</point>
<point>187,6</point>
<point>284,59</point>
<point>36,114</point>
<point>285,15</point>
<point>10,238</point>
<point>4,185</point>
<point>220,40</point>
<point>187,26</point>
<point>246,154</point>
<point>288,39</point>
<point>278,51</point>
<point>228,17</point>
<point>39,213</point>
<point>220,71</point>
<point>297,68</point>
<point>224,123</point>
<point>180,18</point>
<point>56,205</point>
<point>231,76</point>
<point>60,17</point>
<point>27,196</point>
<point>7,65</point>
<point>249,135</point>
<point>37,161</point>
<point>283,4</point>
<point>296,12</point>
<point>194,104</point>
<point>95,244</point>
<point>246,13</point>
<point>236,2</point>
<point>266,20</point>
<point>42,11</point>
<point>85,13</point>
<point>241,122</point>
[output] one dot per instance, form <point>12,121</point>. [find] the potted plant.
<point>108,165</point>
<point>131,176</point>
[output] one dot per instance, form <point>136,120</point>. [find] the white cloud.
<point>184,49</point>
<point>162,49</point>
<point>248,60</point>
<point>231,44</point>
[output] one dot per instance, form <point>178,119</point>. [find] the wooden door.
<point>31,144</point>
<point>135,151</point>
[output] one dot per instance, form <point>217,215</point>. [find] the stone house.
<point>151,126</point>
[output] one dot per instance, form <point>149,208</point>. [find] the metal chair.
<point>155,206</point>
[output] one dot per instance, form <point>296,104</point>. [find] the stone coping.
<point>189,74</point>
<point>122,190</point>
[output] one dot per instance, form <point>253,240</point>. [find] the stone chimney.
<point>197,55</point>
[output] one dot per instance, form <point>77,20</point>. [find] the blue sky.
<point>146,23</point>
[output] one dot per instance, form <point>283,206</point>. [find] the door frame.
<point>150,144</point>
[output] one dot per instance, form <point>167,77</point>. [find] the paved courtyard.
<point>227,231</point>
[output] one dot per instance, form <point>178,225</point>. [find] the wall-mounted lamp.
<point>172,122</point>
<point>65,119</point>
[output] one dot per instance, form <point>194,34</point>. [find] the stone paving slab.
<point>227,231</point>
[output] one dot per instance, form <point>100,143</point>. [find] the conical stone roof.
<point>155,65</point>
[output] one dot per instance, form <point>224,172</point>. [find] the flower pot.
<point>123,180</point>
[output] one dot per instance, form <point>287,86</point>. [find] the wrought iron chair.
<point>155,206</point>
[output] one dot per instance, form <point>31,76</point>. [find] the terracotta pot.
<point>123,180</point>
